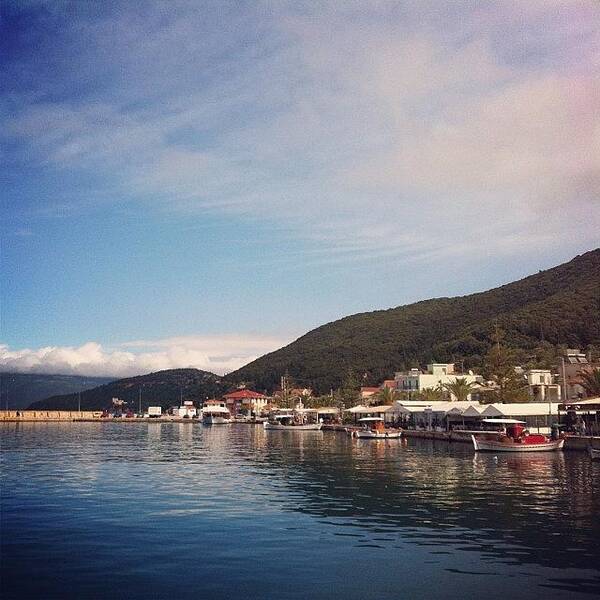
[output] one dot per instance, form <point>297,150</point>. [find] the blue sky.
<point>197,183</point>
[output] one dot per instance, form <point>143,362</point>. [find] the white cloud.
<point>375,132</point>
<point>215,353</point>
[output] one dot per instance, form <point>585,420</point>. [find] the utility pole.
<point>79,402</point>
<point>140,402</point>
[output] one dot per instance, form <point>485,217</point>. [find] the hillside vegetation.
<point>163,388</point>
<point>537,315</point>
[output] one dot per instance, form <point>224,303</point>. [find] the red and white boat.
<point>515,439</point>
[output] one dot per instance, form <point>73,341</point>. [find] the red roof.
<point>240,394</point>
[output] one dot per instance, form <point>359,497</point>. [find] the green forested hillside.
<point>537,315</point>
<point>163,388</point>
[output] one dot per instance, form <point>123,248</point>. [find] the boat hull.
<point>280,427</point>
<point>594,453</point>
<point>377,435</point>
<point>215,420</point>
<point>497,446</point>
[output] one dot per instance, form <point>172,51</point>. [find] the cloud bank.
<point>217,354</point>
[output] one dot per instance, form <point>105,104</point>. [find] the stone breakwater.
<point>49,415</point>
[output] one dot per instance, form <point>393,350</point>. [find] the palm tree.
<point>459,389</point>
<point>430,394</point>
<point>590,382</point>
<point>388,395</point>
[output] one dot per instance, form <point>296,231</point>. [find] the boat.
<point>215,412</point>
<point>594,453</point>
<point>291,422</point>
<point>515,439</point>
<point>374,428</point>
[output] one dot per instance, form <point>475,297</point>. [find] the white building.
<point>187,410</point>
<point>541,386</point>
<point>437,375</point>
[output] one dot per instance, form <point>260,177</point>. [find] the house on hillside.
<point>436,375</point>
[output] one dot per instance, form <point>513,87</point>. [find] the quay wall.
<point>48,415</point>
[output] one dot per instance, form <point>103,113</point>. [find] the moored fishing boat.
<point>515,438</point>
<point>215,412</point>
<point>295,421</point>
<point>374,428</point>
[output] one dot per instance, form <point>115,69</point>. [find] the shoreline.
<point>572,442</point>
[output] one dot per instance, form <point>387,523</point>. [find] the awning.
<point>367,410</point>
<point>328,410</point>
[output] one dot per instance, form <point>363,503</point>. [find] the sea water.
<point>181,510</point>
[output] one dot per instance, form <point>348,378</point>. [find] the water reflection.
<point>464,514</point>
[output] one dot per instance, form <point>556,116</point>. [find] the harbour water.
<point>169,510</point>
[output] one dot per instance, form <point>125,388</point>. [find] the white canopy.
<point>582,402</point>
<point>472,411</point>
<point>328,410</point>
<point>356,409</point>
<point>520,409</point>
<point>367,410</point>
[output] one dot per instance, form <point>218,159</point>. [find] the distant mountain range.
<point>19,390</point>
<point>553,308</point>
<point>163,388</point>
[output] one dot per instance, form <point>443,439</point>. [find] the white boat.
<point>516,439</point>
<point>215,413</point>
<point>305,427</point>
<point>594,453</point>
<point>213,419</point>
<point>291,422</point>
<point>374,428</point>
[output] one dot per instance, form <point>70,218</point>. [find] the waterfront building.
<point>541,386</point>
<point>186,411</point>
<point>573,364</point>
<point>443,415</point>
<point>537,416</point>
<point>245,400</point>
<point>436,375</point>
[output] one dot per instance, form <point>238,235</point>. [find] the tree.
<point>349,393</point>
<point>430,394</point>
<point>590,382</point>
<point>509,386</point>
<point>387,396</point>
<point>460,388</point>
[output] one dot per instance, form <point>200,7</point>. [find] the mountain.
<point>559,306</point>
<point>163,388</point>
<point>19,390</point>
<point>537,315</point>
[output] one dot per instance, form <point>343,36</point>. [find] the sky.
<point>198,183</point>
